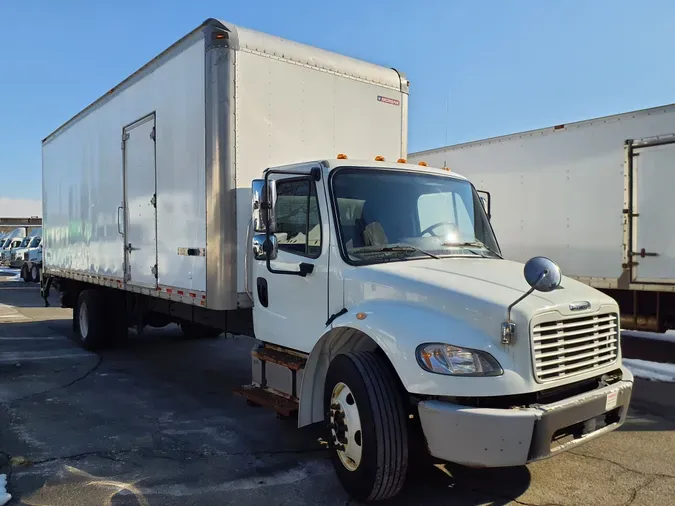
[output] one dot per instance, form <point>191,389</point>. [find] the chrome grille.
<point>572,346</point>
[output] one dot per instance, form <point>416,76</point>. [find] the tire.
<point>90,321</point>
<point>381,470</point>
<point>24,273</point>
<point>194,330</point>
<point>34,274</point>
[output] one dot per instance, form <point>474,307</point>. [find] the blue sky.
<point>502,66</point>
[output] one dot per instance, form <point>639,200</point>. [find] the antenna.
<point>447,118</point>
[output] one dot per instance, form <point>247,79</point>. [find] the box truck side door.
<point>140,231</point>
<point>652,214</point>
<point>290,309</point>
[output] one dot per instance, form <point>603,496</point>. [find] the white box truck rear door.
<point>140,191</point>
<point>653,214</point>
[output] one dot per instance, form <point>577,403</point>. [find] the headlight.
<point>455,361</point>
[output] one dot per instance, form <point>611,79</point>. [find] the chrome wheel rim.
<point>345,427</point>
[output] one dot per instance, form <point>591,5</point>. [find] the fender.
<point>398,327</point>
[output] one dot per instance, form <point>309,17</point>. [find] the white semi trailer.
<point>596,194</point>
<point>207,190</point>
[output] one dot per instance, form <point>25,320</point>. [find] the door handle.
<point>119,230</point>
<point>305,269</point>
<point>642,253</point>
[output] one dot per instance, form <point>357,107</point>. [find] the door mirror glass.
<point>262,248</point>
<point>542,274</point>
<point>263,204</point>
<point>257,186</point>
<point>485,201</point>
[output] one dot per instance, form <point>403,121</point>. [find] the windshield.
<point>389,215</point>
<point>35,242</point>
<point>24,243</point>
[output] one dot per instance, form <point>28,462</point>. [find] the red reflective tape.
<point>203,296</point>
<point>169,290</point>
<point>180,292</point>
<point>193,294</point>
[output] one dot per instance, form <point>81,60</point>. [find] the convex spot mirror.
<point>542,274</point>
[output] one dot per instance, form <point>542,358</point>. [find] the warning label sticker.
<point>388,100</point>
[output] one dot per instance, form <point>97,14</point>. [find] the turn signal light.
<point>423,164</point>
<point>379,158</point>
<point>402,160</point>
<point>341,156</point>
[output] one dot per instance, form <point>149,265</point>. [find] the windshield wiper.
<point>406,247</point>
<point>475,244</point>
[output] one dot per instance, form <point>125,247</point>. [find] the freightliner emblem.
<point>580,306</point>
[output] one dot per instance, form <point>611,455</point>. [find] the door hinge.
<point>153,200</point>
<point>154,270</point>
<point>152,134</point>
<point>125,137</point>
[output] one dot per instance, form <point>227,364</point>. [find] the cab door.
<point>290,281</point>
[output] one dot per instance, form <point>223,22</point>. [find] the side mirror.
<point>263,205</point>
<point>485,201</point>
<point>263,248</point>
<point>542,274</point>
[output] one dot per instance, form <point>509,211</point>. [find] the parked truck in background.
<point>205,190</point>
<point>594,194</point>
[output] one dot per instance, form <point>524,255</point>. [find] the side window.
<point>298,220</point>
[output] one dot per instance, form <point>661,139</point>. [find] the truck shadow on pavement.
<point>163,404</point>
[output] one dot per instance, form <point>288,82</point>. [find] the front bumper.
<point>486,437</point>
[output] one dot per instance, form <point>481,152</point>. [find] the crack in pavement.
<point>60,387</point>
<point>622,466</point>
<point>637,489</point>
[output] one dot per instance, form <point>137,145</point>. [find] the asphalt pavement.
<point>155,423</point>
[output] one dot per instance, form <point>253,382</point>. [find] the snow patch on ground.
<point>4,496</point>
<point>654,371</point>
<point>669,336</point>
<point>11,274</point>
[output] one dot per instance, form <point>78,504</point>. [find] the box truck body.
<point>245,184</point>
<point>148,188</point>
<point>595,195</point>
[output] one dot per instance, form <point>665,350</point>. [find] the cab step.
<point>276,379</point>
<point>260,397</point>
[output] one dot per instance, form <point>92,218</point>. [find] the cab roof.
<point>334,163</point>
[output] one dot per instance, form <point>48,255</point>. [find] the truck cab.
<point>6,255</point>
<point>384,285</point>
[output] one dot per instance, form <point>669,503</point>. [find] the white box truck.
<point>220,188</point>
<point>596,195</point>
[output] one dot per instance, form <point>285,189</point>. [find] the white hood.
<point>476,291</point>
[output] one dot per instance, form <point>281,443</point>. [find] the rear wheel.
<point>25,275</point>
<point>196,330</point>
<point>90,323</point>
<point>367,425</point>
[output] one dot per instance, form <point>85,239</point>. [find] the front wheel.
<point>366,425</point>
<point>25,275</point>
